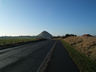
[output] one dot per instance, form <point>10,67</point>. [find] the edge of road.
<point>16,47</point>
<point>46,60</point>
<point>19,44</point>
<point>11,62</point>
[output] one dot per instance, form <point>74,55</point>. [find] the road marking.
<point>44,64</point>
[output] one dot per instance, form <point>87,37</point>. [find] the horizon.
<point>58,17</point>
<point>40,33</point>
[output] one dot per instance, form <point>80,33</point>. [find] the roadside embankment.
<point>84,63</point>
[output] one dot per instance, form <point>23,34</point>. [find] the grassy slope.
<point>84,44</point>
<point>84,63</point>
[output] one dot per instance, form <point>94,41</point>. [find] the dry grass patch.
<point>84,44</point>
<point>84,63</point>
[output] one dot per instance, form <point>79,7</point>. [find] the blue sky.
<point>30,17</point>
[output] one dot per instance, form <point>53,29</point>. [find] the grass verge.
<point>12,42</point>
<point>84,63</point>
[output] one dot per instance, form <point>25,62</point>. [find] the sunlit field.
<point>6,41</point>
<point>84,44</point>
<point>14,41</point>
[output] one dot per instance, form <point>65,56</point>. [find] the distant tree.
<point>68,35</point>
<point>57,37</point>
<point>87,35</point>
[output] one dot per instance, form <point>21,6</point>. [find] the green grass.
<point>7,41</point>
<point>84,63</point>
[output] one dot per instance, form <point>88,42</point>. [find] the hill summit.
<point>45,35</point>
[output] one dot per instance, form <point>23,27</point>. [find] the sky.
<point>58,17</point>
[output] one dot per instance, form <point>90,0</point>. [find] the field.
<point>14,41</point>
<point>84,44</point>
<point>5,41</point>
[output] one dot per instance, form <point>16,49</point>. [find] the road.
<point>29,57</point>
<point>25,58</point>
<point>61,61</point>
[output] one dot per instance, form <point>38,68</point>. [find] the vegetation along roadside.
<point>84,63</point>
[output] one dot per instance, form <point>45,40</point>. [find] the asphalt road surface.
<point>28,58</point>
<point>25,58</point>
<point>61,61</point>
